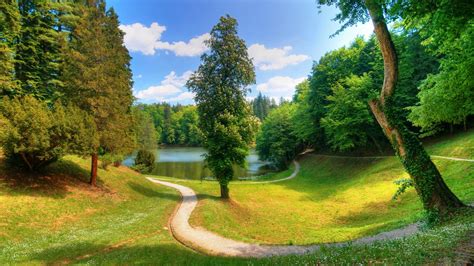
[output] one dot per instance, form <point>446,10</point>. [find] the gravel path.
<point>213,244</point>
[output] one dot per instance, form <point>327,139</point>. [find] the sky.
<point>284,37</point>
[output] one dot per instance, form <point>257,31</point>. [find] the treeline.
<point>262,105</point>
<point>330,109</point>
<point>65,82</point>
<point>173,124</point>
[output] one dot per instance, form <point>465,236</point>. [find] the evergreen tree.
<point>98,78</point>
<point>9,29</point>
<point>38,54</point>
<point>220,84</point>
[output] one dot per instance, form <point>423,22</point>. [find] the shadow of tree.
<point>149,192</point>
<point>155,254</point>
<point>53,181</point>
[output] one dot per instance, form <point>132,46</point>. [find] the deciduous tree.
<point>220,84</point>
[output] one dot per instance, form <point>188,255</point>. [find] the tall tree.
<point>220,84</point>
<point>97,76</point>
<point>9,29</point>
<point>435,195</point>
<point>39,54</point>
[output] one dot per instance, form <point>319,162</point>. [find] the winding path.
<point>213,244</point>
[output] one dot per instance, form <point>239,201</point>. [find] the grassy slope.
<point>332,199</point>
<point>59,219</point>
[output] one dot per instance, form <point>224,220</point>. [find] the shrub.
<point>109,158</point>
<point>34,134</point>
<point>144,161</point>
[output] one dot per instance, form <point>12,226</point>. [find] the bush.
<point>108,159</point>
<point>144,161</point>
<point>34,134</point>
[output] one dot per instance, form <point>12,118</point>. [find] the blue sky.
<point>284,37</point>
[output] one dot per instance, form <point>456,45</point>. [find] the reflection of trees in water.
<point>196,170</point>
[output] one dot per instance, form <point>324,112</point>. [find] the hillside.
<point>57,218</point>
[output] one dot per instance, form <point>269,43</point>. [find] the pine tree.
<point>9,29</point>
<point>98,78</point>
<point>39,50</point>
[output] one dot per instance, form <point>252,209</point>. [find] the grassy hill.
<point>331,200</point>
<point>56,218</point>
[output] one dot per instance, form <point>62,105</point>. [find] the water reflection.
<point>187,163</point>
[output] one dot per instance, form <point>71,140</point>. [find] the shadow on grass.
<point>53,181</point>
<point>149,192</point>
<point>155,254</point>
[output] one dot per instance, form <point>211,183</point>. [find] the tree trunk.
<point>434,193</point>
<point>224,191</point>
<point>93,180</point>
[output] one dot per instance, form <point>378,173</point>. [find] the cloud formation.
<point>139,38</point>
<point>169,90</point>
<point>274,58</point>
<point>147,40</point>
<point>194,47</point>
<point>280,86</point>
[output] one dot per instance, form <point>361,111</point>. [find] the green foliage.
<point>108,159</point>
<point>36,135</point>
<point>348,122</point>
<point>448,96</point>
<point>144,161</point>
<point>9,28</point>
<point>403,185</point>
<point>145,132</point>
<point>97,76</point>
<point>38,52</point>
<point>220,85</point>
<point>277,141</point>
<point>262,105</point>
<point>174,124</point>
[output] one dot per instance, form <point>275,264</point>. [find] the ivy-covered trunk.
<point>94,159</point>
<point>430,186</point>
<point>224,191</point>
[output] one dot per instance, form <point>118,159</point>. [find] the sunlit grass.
<point>59,219</point>
<point>331,200</point>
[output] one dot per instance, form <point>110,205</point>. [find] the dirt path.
<point>213,244</point>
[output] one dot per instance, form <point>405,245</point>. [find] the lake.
<point>187,163</point>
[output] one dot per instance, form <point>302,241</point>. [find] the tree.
<point>35,135</point>
<point>38,53</point>
<point>435,195</point>
<point>9,29</point>
<point>348,122</point>
<point>277,141</point>
<point>145,132</point>
<point>97,78</point>
<point>220,84</point>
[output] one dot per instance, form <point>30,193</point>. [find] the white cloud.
<point>274,58</point>
<point>170,89</point>
<point>147,40</point>
<point>182,97</point>
<point>280,86</point>
<point>139,38</point>
<point>196,46</point>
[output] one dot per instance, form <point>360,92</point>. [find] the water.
<point>187,163</point>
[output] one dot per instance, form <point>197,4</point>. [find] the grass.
<point>331,200</point>
<point>56,218</point>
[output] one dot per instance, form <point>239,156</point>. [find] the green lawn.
<point>59,219</point>
<point>331,200</point>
